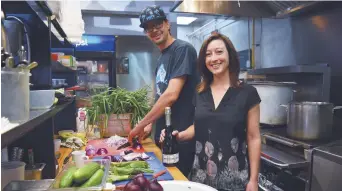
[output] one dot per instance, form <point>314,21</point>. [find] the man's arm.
<point>169,96</point>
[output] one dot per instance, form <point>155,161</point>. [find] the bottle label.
<point>170,158</point>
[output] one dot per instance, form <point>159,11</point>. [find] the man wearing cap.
<point>176,80</point>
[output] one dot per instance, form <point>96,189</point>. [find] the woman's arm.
<point>187,134</point>
<point>254,141</point>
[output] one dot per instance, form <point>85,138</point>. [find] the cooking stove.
<point>285,161</point>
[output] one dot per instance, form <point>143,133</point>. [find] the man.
<point>176,80</point>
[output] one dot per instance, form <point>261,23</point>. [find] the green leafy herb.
<point>118,101</point>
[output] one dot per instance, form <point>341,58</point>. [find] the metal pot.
<point>272,95</point>
<point>310,120</point>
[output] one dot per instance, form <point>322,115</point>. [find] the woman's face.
<point>217,58</point>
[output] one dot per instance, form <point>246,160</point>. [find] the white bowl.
<point>41,99</point>
<point>179,185</point>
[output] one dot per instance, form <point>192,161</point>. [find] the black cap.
<point>150,14</point>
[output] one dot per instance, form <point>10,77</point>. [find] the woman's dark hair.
<point>233,65</point>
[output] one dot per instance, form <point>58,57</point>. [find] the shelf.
<point>43,11</point>
<point>321,69</point>
<point>36,118</point>
<point>96,73</point>
<point>57,67</point>
<point>40,9</point>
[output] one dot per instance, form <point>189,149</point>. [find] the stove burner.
<point>280,135</point>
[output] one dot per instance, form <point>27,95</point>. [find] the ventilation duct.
<point>268,9</point>
<point>70,17</point>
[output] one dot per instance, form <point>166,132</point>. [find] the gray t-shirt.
<point>179,59</point>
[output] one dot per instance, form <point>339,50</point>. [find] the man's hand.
<point>142,134</point>
<point>134,132</point>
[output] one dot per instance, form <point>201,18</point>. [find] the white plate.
<point>184,186</point>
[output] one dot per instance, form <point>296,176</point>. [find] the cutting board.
<point>101,143</point>
<point>156,165</point>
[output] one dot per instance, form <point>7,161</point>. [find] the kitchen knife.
<point>66,160</point>
<point>124,146</point>
<point>128,144</point>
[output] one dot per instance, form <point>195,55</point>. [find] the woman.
<point>226,120</point>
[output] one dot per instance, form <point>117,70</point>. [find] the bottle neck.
<point>168,120</point>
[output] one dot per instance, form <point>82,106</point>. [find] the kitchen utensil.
<point>157,166</point>
<point>14,153</point>
<point>128,144</point>
<point>5,44</point>
<point>10,62</point>
<point>310,120</point>
<point>15,95</point>
<point>17,154</point>
<point>57,144</point>
<point>160,173</point>
<point>66,160</point>
<point>105,164</point>
<point>41,99</point>
<point>29,185</point>
<point>22,55</point>
<point>32,65</point>
<point>272,95</point>
<point>14,170</point>
<point>79,157</point>
<point>4,56</point>
<point>124,146</point>
<point>34,172</point>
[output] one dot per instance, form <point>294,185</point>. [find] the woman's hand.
<point>252,186</point>
<point>162,135</point>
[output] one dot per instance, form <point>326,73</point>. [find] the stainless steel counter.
<point>327,167</point>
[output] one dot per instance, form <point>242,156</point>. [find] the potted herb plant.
<point>117,110</point>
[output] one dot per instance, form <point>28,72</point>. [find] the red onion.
<point>90,150</point>
<point>141,181</point>
<point>102,151</point>
<point>155,186</point>
<point>133,187</point>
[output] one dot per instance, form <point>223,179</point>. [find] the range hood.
<point>266,9</point>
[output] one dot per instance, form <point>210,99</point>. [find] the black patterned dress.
<point>221,158</point>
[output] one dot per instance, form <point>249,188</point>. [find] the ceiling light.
<point>185,20</point>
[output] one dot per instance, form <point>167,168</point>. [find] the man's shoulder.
<point>181,44</point>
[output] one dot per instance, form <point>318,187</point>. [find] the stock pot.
<point>272,95</point>
<point>310,120</point>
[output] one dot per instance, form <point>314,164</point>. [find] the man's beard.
<point>161,41</point>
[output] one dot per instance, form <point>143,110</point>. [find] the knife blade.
<point>66,160</point>
<point>124,146</point>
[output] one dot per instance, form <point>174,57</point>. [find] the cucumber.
<point>75,185</point>
<point>83,174</point>
<point>94,180</point>
<point>67,178</point>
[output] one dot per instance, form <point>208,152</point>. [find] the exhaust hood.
<point>267,9</point>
